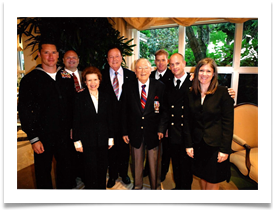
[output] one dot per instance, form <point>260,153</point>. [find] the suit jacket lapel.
<point>89,102</point>
<point>136,94</point>
<point>150,95</point>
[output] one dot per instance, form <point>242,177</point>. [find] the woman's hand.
<point>190,152</point>
<point>222,157</point>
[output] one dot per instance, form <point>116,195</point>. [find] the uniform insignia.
<point>65,74</point>
<point>156,106</point>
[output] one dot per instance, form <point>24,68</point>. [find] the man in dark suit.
<point>164,74</point>
<point>113,78</point>
<point>45,106</point>
<point>143,121</point>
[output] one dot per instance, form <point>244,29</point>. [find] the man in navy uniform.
<point>45,106</point>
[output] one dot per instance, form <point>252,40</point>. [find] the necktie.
<point>143,97</point>
<point>160,76</point>
<point>76,83</point>
<point>115,85</point>
<point>178,84</point>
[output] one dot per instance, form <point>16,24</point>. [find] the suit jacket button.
<point>172,123</point>
<point>181,116</point>
<point>141,127</point>
<point>142,118</point>
<point>172,115</point>
<point>182,107</point>
<point>172,106</point>
<point>181,124</point>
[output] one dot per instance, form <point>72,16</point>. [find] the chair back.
<point>246,125</point>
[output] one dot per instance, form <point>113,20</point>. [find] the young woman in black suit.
<point>208,126</point>
<point>93,129</point>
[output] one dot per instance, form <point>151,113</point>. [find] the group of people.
<point>92,121</point>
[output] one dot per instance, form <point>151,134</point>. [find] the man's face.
<point>161,62</point>
<point>177,65</point>
<point>71,60</point>
<point>49,55</point>
<point>142,70</point>
<point>114,59</point>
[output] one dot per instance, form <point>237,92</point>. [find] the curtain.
<point>146,23</point>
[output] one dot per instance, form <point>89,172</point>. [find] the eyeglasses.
<point>144,67</point>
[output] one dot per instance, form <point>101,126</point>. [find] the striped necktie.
<point>115,84</point>
<point>76,83</point>
<point>143,97</point>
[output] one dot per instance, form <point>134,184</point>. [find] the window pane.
<point>249,52</point>
<point>156,39</point>
<point>248,88</point>
<point>213,40</point>
<point>224,80</point>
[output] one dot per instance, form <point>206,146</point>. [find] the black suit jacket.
<point>167,77</point>
<point>116,106</point>
<point>143,125</point>
<point>93,129</point>
<point>175,104</point>
<point>212,121</point>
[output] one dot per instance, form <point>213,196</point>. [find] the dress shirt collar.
<point>158,73</point>
<point>71,72</point>
<point>119,71</point>
<point>182,79</point>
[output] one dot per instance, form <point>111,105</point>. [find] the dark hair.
<point>46,41</point>
<point>214,82</point>
<point>91,70</point>
<point>113,47</point>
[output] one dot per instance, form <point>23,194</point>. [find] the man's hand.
<point>231,92</point>
<point>38,147</point>
<point>190,152</point>
<point>79,149</point>
<point>160,135</point>
<point>126,139</point>
<point>191,76</point>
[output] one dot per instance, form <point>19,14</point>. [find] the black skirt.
<point>206,166</point>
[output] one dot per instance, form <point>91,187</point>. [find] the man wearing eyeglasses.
<point>143,121</point>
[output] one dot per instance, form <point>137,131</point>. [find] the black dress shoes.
<point>111,182</point>
<point>126,180</point>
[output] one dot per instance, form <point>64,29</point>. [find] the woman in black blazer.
<point>208,126</point>
<point>93,129</point>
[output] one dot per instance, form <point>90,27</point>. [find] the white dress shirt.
<point>157,75</point>
<point>119,77</point>
<point>76,73</point>
<point>182,79</point>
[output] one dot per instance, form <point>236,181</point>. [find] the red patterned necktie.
<point>143,97</point>
<point>115,85</point>
<point>76,83</point>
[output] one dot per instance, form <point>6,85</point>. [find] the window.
<point>249,52</point>
<point>156,39</point>
<point>248,88</point>
<point>213,40</point>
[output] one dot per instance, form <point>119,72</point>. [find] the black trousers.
<point>43,165</point>
<point>95,163</point>
<point>118,158</point>
<point>182,167</point>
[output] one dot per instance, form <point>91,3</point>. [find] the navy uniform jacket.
<point>175,106</point>
<point>212,121</point>
<point>45,106</point>
<point>167,77</point>
<point>143,125</point>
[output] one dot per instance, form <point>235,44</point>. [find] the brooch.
<point>65,74</point>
